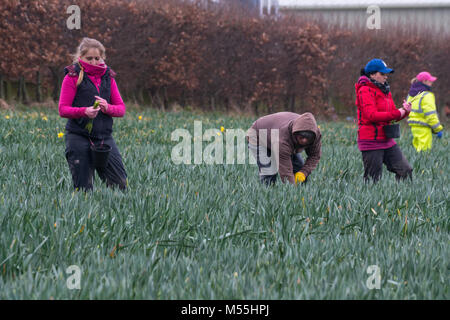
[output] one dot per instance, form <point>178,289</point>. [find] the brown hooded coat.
<point>288,123</point>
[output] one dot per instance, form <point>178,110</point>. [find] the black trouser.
<point>297,164</point>
<point>394,160</point>
<point>78,155</point>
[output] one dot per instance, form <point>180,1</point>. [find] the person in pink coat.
<point>87,81</point>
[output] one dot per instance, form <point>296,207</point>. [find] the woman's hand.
<point>407,106</point>
<point>90,112</point>
<point>103,104</point>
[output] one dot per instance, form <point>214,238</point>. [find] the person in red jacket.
<point>376,109</point>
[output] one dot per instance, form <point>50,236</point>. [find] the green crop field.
<point>212,231</point>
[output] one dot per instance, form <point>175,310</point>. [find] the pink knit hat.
<point>425,76</point>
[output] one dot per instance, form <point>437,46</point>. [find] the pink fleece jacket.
<point>69,89</point>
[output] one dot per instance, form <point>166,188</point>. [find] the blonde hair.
<point>413,80</point>
<point>83,48</point>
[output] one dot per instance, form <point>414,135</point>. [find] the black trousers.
<point>394,160</point>
<point>297,164</point>
<point>78,155</point>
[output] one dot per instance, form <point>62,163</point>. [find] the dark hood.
<point>305,122</point>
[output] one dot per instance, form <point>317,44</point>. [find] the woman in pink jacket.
<point>87,81</point>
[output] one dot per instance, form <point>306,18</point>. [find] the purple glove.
<point>439,134</point>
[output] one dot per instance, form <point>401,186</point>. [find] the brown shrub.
<point>215,56</point>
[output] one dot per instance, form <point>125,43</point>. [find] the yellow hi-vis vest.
<point>423,111</point>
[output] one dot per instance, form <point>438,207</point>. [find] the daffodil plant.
<point>91,121</point>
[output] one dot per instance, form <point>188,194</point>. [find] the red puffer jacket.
<point>375,109</point>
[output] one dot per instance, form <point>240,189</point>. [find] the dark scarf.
<point>384,87</point>
<point>418,87</point>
